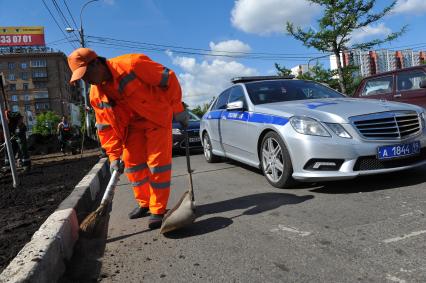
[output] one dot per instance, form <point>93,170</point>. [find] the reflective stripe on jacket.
<point>139,87</point>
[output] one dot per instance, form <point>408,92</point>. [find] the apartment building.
<point>37,80</point>
<point>379,61</point>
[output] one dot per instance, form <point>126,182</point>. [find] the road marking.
<point>291,230</point>
<point>394,279</point>
<point>404,237</point>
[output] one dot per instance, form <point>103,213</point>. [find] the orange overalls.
<point>134,121</point>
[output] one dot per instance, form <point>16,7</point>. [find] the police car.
<point>305,131</point>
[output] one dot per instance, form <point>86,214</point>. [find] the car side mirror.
<point>423,84</point>
<point>236,105</point>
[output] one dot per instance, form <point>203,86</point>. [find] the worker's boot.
<point>138,212</point>
<point>155,221</point>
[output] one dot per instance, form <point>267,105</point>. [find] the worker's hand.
<point>182,118</point>
<point>117,165</point>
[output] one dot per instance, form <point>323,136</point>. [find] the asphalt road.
<point>372,229</point>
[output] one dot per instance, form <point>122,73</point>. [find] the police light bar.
<point>260,78</point>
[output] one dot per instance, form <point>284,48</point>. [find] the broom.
<point>91,222</point>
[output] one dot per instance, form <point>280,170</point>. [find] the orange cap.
<point>78,61</point>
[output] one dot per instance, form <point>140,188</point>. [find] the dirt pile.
<point>23,210</point>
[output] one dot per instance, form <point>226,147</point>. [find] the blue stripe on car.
<point>246,116</point>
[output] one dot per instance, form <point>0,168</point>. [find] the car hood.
<point>333,110</point>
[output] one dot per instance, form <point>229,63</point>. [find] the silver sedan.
<point>305,131</point>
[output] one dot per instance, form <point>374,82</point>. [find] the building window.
<point>27,97</point>
<point>41,106</point>
<point>41,95</point>
<point>11,65</point>
<point>24,65</point>
<point>12,87</point>
<point>40,74</point>
<point>25,86</point>
<point>39,85</point>
<point>11,76</point>
<point>14,98</point>
<point>38,63</point>
<point>27,107</point>
<point>15,108</point>
<point>24,76</point>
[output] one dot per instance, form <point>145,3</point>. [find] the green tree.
<point>46,123</point>
<point>200,110</point>
<point>282,71</point>
<point>340,19</point>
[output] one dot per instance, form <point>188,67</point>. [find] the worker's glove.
<point>182,118</point>
<point>117,165</point>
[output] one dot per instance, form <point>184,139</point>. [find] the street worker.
<point>135,100</point>
<point>18,140</point>
<point>64,133</point>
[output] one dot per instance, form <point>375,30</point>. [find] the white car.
<point>302,130</point>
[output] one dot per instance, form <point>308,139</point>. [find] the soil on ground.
<point>22,211</point>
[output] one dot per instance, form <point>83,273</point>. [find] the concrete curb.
<point>43,258</point>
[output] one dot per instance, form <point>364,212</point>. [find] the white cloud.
<point>230,47</point>
<point>110,2</point>
<point>410,7</point>
<point>369,31</point>
<point>270,16</point>
<point>202,80</point>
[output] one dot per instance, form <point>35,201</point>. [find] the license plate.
<point>195,139</point>
<point>398,150</point>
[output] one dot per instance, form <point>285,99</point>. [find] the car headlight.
<point>176,132</point>
<point>308,126</point>
<point>339,130</point>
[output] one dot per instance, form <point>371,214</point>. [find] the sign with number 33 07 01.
<point>22,36</point>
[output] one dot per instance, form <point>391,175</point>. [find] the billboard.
<point>22,36</point>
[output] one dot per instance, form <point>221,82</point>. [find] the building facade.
<point>37,80</point>
<point>379,61</point>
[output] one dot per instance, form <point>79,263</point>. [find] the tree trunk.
<point>340,72</point>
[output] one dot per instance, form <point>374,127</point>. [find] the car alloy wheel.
<point>208,150</point>
<point>275,161</point>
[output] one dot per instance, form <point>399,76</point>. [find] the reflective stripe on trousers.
<point>147,156</point>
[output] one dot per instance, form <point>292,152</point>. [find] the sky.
<point>205,42</point>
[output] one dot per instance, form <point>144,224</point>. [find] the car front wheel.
<point>208,150</point>
<point>275,161</point>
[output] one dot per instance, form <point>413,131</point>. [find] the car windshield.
<point>262,92</point>
<point>193,117</point>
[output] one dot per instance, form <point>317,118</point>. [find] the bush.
<point>46,123</point>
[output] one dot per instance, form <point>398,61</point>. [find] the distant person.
<point>18,140</point>
<point>135,99</point>
<point>64,134</point>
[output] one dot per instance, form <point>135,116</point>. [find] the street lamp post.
<point>83,83</point>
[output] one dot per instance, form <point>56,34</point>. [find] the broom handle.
<point>111,185</point>
<point>188,164</point>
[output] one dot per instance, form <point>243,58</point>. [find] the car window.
<point>410,80</point>
<point>288,90</point>
<point>237,94</point>
<point>222,100</point>
<point>378,86</point>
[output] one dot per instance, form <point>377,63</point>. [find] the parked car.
<point>193,133</point>
<point>302,130</point>
<point>402,85</point>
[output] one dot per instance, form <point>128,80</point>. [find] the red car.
<point>404,85</point>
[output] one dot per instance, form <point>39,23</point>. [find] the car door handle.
<point>397,95</point>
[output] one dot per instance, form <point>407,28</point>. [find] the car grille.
<point>371,162</point>
<point>388,125</point>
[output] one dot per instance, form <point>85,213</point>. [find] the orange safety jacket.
<point>139,87</point>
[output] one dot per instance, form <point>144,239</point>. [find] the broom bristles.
<point>90,223</point>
